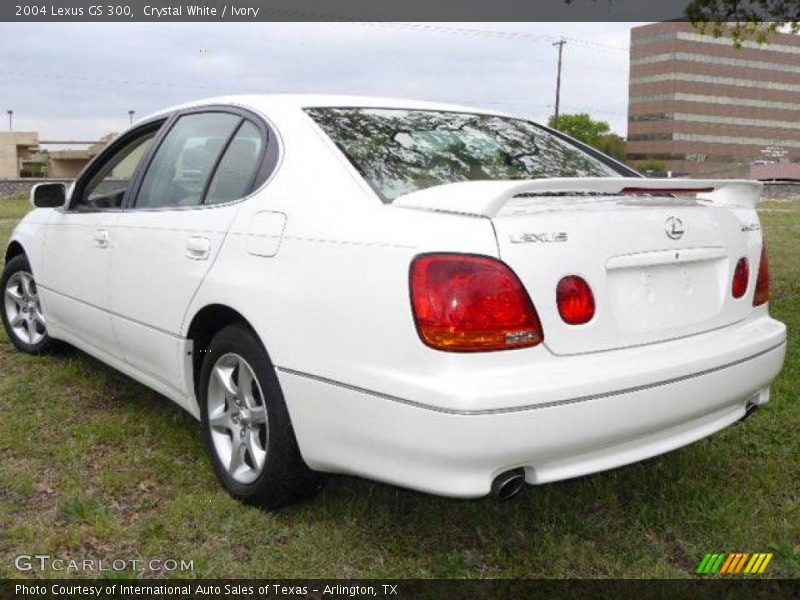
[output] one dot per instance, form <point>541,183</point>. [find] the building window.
<point>726,100</point>
<point>727,139</point>
<point>760,84</point>
<point>715,60</point>
<point>648,117</point>
<point>648,137</point>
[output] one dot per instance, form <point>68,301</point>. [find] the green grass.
<point>14,207</point>
<point>94,464</point>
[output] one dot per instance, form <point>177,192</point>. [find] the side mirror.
<point>49,195</point>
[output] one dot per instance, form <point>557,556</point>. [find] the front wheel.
<point>22,314</point>
<point>246,425</point>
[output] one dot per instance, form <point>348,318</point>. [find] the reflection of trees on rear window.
<point>402,151</point>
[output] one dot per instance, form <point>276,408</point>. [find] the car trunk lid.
<point>659,260</point>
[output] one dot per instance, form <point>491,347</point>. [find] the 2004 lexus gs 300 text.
<point>450,300</point>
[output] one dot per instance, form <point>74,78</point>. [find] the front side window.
<point>402,151</point>
<point>185,160</point>
<point>108,185</point>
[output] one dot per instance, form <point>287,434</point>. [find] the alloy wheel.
<point>237,418</point>
<point>23,310</point>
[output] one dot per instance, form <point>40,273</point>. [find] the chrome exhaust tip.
<point>749,409</point>
<point>507,485</point>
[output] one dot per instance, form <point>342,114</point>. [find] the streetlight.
<point>10,120</point>
<point>130,116</point>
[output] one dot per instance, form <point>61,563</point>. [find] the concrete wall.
<point>15,145</point>
<point>17,187</point>
<point>65,168</point>
<point>776,171</point>
<point>782,191</point>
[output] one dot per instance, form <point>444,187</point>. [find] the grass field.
<point>93,464</point>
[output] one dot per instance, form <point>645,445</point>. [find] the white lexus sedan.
<point>450,300</point>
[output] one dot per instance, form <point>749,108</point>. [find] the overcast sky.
<point>78,81</point>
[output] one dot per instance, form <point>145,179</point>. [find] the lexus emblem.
<point>674,228</point>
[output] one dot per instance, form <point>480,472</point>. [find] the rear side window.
<point>403,151</point>
<point>185,160</point>
<point>237,170</point>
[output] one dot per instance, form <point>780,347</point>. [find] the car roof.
<point>271,102</point>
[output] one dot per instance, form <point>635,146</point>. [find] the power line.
<point>447,29</point>
<point>306,17</point>
<point>302,16</point>
<point>496,33</point>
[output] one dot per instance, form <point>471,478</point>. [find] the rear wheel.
<point>22,315</point>
<point>247,429</point>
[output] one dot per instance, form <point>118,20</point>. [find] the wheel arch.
<point>13,250</point>
<point>206,323</point>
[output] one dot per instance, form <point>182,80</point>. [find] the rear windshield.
<point>403,151</point>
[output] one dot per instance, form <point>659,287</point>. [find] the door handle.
<point>100,238</point>
<point>198,248</point>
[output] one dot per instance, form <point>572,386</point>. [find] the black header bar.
<point>398,589</point>
<point>382,10</point>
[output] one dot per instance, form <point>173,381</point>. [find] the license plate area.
<point>651,295</point>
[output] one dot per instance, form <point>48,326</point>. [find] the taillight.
<point>575,300</point>
<point>762,281</point>
<point>467,303</point>
<point>741,276</point>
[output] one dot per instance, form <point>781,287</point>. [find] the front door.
<point>78,245</point>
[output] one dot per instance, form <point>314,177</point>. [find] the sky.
<point>79,80</point>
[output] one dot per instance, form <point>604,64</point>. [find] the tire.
<point>251,444</point>
<point>21,312</point>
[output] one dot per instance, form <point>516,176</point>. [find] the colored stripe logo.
<point>734,563</point>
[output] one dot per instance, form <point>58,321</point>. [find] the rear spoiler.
<point>487,198</point>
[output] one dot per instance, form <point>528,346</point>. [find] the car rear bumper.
<point>553,434</point>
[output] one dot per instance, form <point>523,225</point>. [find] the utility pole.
<point>130,116</point>
<point>560,43</point>
<point>10,120</point>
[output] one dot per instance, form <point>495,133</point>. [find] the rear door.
<point>170,235</point>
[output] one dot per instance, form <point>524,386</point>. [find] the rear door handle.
<point>101,238</point>
<point>198,248</point>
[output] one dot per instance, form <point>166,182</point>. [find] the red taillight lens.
<point>762,282</point>
<point>575,300</point>
<point>466,303</point>
<point>740,278</point>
